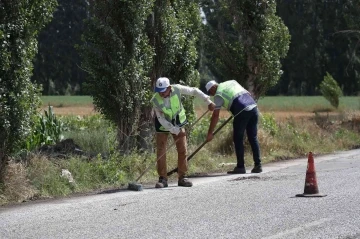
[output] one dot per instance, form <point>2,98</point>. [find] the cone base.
<point>311,195</point>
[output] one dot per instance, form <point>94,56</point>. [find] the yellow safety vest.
<point>229,90</point>
<point>175,113</point>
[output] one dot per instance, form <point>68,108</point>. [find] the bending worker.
<point>171,118</point>
<point>232,96</point>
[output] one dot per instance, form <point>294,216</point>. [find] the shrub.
<point>331,90</point>
<point>93,134</point>
<point>48,130</point>
<point>268,123</point>
<point>199,131</point>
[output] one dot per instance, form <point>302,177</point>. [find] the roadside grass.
<point>281,140</point>
<point>45,176</point>
<point>40,176</point>
<point>17,186</point>
<point>93,134</point>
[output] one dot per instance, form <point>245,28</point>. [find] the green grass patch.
<point>268,103</point>
<point>45,176</point>
<point>66,101</point>
<point>92,133</point>
<point>301,103</point>
<point>306,103</point>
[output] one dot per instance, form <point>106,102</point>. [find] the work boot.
<point>162,183</point>
<point>184,182</point>
<point>257,169</point>
<point>238,171</point>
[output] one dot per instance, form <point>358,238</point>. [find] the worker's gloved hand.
<point>211,106</point>
<point>182,133</point>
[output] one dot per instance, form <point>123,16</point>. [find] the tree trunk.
<point>3,161</point>
<point>146,123</point>
<point>146,130</point>
<point>3,158</point>
<point>126,138</point>
<point>251,76</point>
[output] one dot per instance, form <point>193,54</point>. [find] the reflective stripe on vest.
<point>175,109</point>
<point>229,90</point>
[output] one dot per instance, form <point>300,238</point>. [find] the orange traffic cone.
<point>311,187</point>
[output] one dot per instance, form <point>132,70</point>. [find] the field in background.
<point>280,105</point>
<point>306,103</point>
<point>66,101</point>
<point>69,105</point>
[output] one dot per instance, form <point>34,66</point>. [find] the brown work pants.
<point>161,142</point>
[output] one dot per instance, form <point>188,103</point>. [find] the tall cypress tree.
<point>20,22</point>
<point>245,40</point>
<point>117,56</point>
<point>173,30</point>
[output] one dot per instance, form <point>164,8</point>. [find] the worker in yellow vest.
<point>239,102</point>
<point>171,118</point>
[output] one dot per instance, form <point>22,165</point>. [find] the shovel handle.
<point>202,145</point>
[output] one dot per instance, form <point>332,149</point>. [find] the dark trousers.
<point>246,121</point>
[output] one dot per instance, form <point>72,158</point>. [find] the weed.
<point>268,123</point>
<point>93,133</point>
<point>46,177</point>
<point>48,130</point>
<point>199,132</point>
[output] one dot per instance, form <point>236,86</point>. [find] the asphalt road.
<point>227,206</point>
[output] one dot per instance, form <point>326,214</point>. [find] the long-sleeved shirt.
<point>184,90</point>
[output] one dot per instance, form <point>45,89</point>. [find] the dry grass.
<point>81,110</point>
<point>17,187</point>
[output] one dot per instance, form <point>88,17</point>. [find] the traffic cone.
<point>311,187</point>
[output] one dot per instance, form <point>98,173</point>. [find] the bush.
<point>93,134</point>
<point>48,130</point>
<point>199,131</point>
<point>331,90</point>
<point>268,123</point>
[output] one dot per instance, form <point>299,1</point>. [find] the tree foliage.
<point>128,45</point>
<point>245,40</point>
<point>47,130</point>
<point>20,23</point>
<point>331,90</point>
<point>173,30</point>
<point>117,56</point>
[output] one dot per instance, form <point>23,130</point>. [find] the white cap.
<point>210,84</point>
<point>162,84</point>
